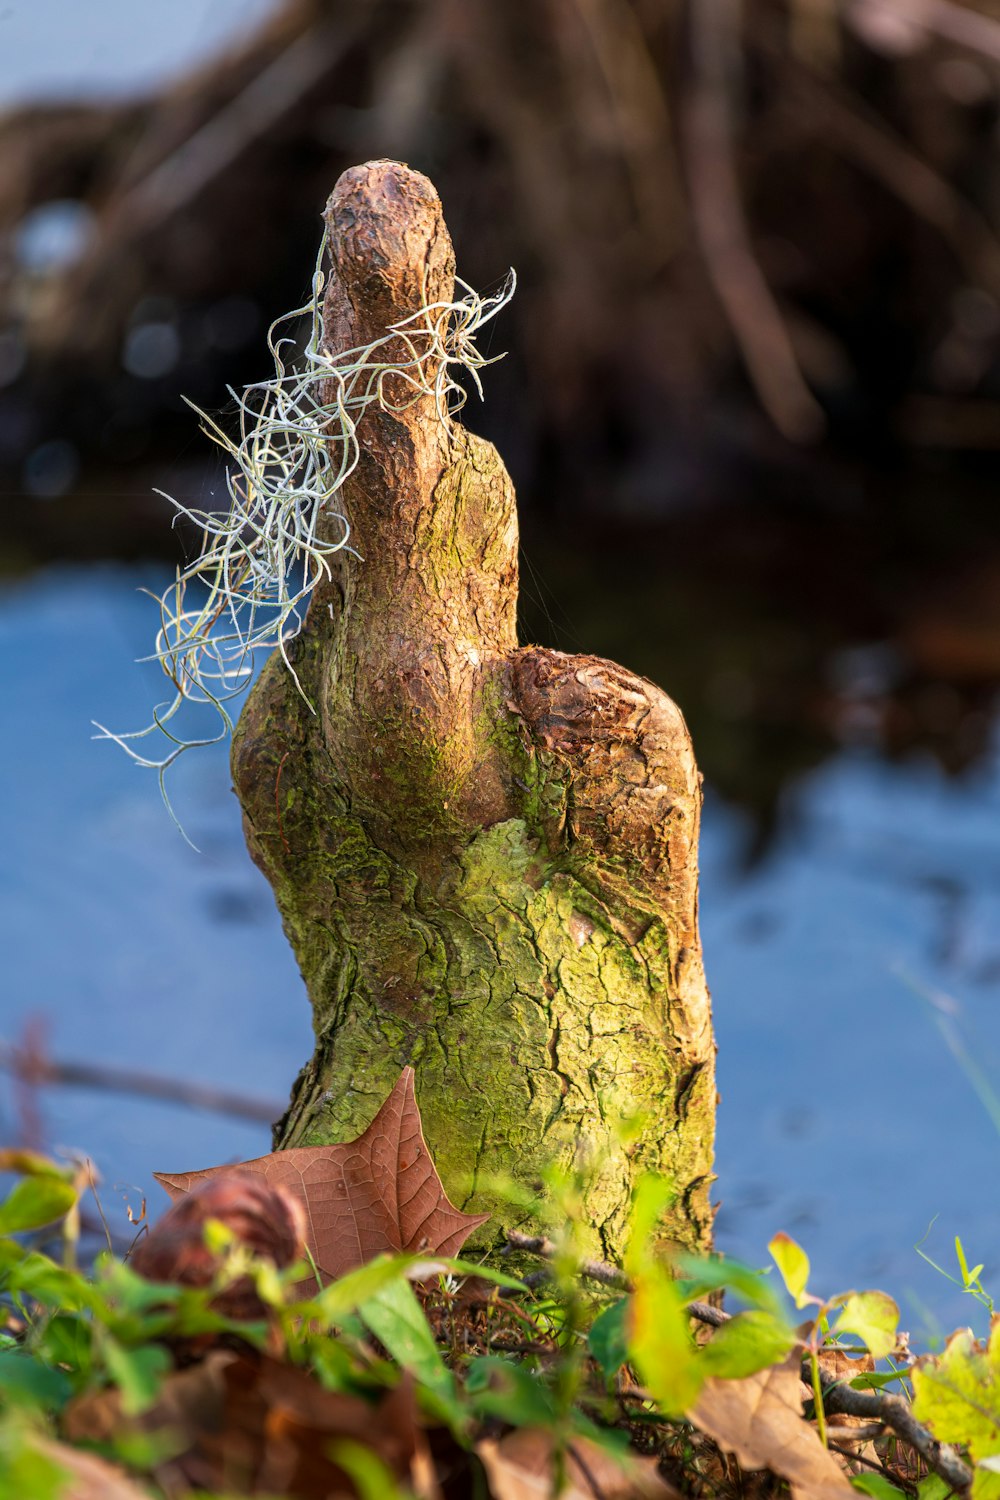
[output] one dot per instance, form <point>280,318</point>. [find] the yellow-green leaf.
<point>36,1201</point>
<point>793,1263</point>
<point>651,1196</point>
<point>874,1317</point>
<point>344,1296</point>
<point>660,1344</point>
<point>957,1396</point>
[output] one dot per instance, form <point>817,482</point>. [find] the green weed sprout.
<point>247,589</point>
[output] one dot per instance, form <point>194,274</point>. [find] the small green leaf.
<point>130,1292</point>
<point>875,1380</point>
<point>709,1273</point>
<point>148,1450</point>
<point>660,1344</point>
<point>933,1487</point>
<point>659,1336</point>
<point>25,1381</point>
<point>793,1263</point>
<point>26,1472</point>
<point>749,1342</point>
<point>138,1373</point>
<point>876,1485</point>
<point>372,1479</point>
<point>66,1340</point>
<point>608,1338</point>
<point>32,1164</point>
<point>508,1393</point>
<point>874,1317</point>
<point>397,1320</point>
<point>34,1202</point>
<point>218,1236</point>
<point>345,1296</point>
<point>39,1277</point>
<point>331,1362</point>
<point>268,1283</point>
<point>969,1278</point>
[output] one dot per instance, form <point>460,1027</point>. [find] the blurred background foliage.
<point>752,398</point>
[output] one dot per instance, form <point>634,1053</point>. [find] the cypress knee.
<point>484,855</point>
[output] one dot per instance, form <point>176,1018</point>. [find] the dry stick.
<point>43,1070</point>
<point>894,1412</point>
<point>595,1270</point>
<point>204,156</point>
<point>850,126</point>
<point>905,1485</point>
<point>966,27</point>
<point>720,225</point>
<point>838,1399</point>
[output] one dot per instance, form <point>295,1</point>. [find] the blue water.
<point>846,1118</point>
<point>141,952</point>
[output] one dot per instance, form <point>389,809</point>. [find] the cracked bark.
<point>485,857</point>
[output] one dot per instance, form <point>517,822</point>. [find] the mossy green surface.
<point>538,1032</point>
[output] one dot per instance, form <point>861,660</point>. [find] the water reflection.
<point>845,1118</point>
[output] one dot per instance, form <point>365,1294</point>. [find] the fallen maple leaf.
<point>378,1193</point>
<point>760,1419</point>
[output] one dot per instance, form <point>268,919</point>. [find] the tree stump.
<point>484,855</point>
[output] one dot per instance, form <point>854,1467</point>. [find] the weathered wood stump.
<point>485,855</point>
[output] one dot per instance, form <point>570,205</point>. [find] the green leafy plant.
<point>473,1349</point>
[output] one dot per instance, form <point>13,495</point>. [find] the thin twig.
<point>720,224</point>
<point>706,1313</point>
<point>213,149</point>
<point>869,1463</point>
<point>38,1069</point>
<point>594,1270</point>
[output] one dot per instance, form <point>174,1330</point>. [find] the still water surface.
<point>850,1114</point>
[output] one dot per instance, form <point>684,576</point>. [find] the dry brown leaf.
<point>88,1476</point>
<point>759,1419</point>
<point>378,1193</point>
<point>521,1467</point>
<point>837,1365</point>
<point>189,1401</point>
<point>279,1431</point>
<point>251,1423</point>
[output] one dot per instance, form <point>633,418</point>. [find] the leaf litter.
<point>298,1326</point>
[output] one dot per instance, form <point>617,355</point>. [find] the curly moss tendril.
<point>297,445</point>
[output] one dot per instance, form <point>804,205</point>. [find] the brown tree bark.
<point>485,856</point>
